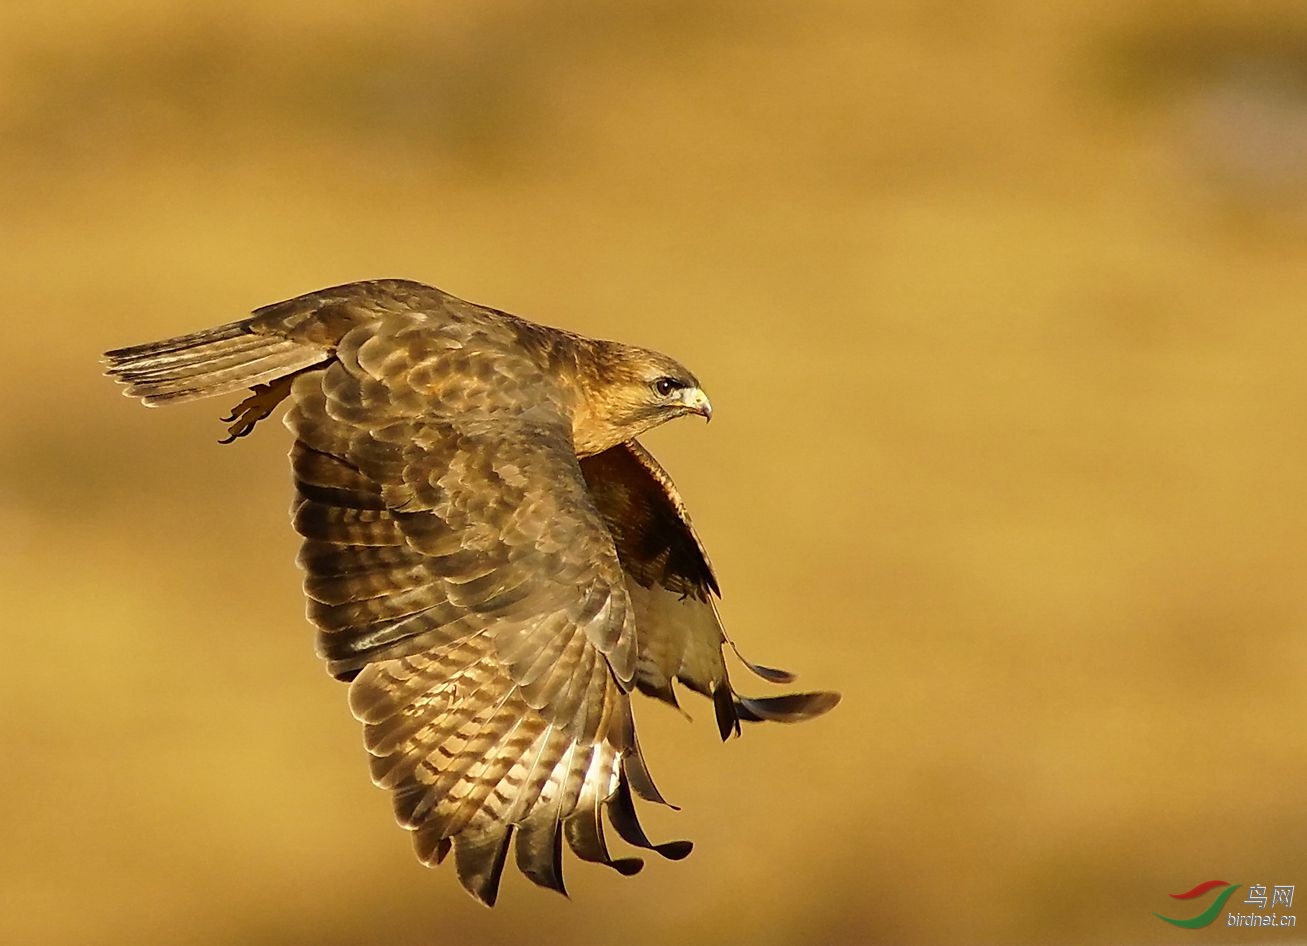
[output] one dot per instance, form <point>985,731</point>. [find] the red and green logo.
<point>1207,916</point>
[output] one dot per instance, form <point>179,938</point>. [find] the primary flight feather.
<point>491,558</point>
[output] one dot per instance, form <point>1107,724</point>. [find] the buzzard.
<point>492,560</point>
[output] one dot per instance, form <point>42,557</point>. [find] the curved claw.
<point>263,399</point>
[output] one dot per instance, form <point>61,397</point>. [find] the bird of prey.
<point>492,560</point>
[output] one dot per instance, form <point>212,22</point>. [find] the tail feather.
<point>143,362</point>
<point>215,361</point>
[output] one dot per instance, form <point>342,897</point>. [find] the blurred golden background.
<point>1001,307</point>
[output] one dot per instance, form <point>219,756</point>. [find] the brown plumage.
<point>491,559</point>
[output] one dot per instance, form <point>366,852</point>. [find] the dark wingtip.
<point>442,850</point>
<point>675,850</point>
<point>480,862</point>
<point>621,813</point>
<point>726,711</point>
<point>585,834</point>
<point>539,854</point>
<point>791,708</point>
<point>770,674</point>
<point>627,866</point>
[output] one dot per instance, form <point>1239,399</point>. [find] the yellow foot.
<point>261,402</point>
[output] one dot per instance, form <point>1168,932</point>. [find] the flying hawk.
<point>492,560</point>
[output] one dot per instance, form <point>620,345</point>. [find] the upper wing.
<point>671,585</point>
<point>264,351</point>
<point>461,577</point>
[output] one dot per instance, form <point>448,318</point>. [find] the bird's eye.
<point>665,386</point>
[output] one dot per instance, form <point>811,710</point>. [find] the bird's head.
<point>627,390</point>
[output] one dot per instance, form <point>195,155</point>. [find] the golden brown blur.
<point>1001,307</point>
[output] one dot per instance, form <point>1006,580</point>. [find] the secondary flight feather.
<point>492,560</point>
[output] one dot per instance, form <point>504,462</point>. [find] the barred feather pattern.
<point>481,618</point>
<point>482,538</point>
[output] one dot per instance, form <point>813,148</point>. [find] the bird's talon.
<point>263,399</point>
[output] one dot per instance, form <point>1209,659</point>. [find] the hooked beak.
<point>696,402</point>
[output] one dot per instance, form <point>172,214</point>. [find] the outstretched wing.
<point>672,586</point>
<point>462,578</point>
